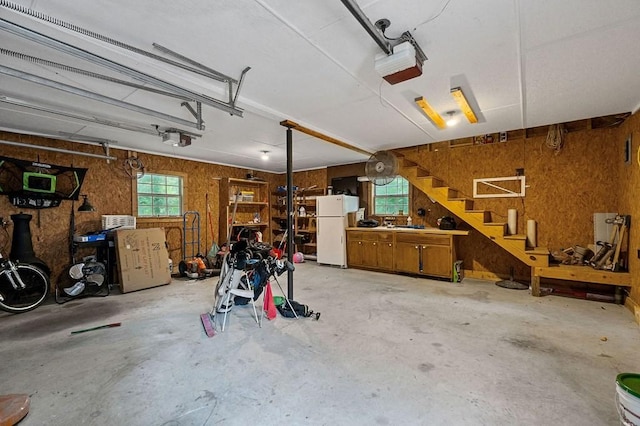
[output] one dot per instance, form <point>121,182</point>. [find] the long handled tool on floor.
<point>115,324</point>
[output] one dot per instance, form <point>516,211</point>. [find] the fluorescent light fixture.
<point>265,155</point>
<point>431,113</point>
<point>457,94</point>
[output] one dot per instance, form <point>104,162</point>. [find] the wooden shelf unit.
<point>252,207</point>
<point>304,226</point>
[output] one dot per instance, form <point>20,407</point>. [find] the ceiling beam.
<point>292,125</point>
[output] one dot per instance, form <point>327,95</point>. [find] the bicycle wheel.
<point>23,300</point>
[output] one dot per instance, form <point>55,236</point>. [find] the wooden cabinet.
<point>408,257</point>
<point>437,261</point>
<point>428,254</point>
<point>384,249</point>
<point>370,250</point>
<point>412,252</point>
<point>244,207</point>
<point>355,250</point>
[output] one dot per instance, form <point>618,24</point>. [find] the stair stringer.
<point>463,208</point>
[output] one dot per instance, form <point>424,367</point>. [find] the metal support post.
<point>290,217</point>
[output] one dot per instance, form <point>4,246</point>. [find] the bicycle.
<point>23,287</point>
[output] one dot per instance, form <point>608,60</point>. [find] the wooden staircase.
<point>480,220</point>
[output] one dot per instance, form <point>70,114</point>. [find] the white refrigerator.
<point>331,212</point>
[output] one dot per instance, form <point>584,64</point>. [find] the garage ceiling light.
<point>457,94</point>
<point>452,120</point>
<point>431,113</point>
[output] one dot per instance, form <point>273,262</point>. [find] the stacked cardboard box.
<point>143,260</point>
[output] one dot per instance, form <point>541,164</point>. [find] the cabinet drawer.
<point>354,235</point>
<point>385,237</point>
<point>369,236</point>
<point>431,239</point>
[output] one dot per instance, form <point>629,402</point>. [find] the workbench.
<point>577,273</point>
<point>428,251</point>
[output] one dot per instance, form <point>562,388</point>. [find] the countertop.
<point>410,230</point>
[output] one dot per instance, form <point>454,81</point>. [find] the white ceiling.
<point>524,63</point>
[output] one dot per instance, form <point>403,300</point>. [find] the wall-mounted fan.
<point>381,168</point>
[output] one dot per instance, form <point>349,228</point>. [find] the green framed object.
<point>39,182</point>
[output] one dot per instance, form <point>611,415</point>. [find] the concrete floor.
<point>387,350</point>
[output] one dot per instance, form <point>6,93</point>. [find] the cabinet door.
<point>407,258</point>
<point>354,252</point>
<point>385,255</point>
<point>370,254</point>
<point>436,261</point>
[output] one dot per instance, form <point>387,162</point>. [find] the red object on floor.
<point>269,306</point>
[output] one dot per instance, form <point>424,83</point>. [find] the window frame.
<point>183,194</point>
<point>408,196</point>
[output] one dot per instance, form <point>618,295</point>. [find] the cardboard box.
<point>143,260</point>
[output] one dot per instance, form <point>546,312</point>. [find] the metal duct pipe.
<point>60,150</point>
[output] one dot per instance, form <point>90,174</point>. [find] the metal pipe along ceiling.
<point>60,150</point>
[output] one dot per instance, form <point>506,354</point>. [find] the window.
<point>159,195</point>
<point>391,199</point>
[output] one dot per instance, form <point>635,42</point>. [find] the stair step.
<point>435,182</point>
<point>486,214</point>
<point>468,203</point>
<point>414,168</point>
<point>407,163</point>
<point>445,191</point>
<point>515,237</point>
<point>422,172</point>
<point>495,229</point>
<point>537,250</point>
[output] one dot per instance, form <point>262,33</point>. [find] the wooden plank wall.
<point>110,192</point>
<point>629,203</point>
<point>564,189</point>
